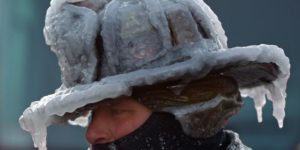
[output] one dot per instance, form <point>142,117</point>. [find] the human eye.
<point>116,111</point>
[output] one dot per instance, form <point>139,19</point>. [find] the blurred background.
<point>28,71</point>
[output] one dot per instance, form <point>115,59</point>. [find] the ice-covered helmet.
<point>109,48</point>
<point>129,35</point>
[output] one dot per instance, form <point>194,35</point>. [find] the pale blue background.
<point>28,70</point>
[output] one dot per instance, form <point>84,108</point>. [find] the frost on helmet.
<point>106,49</point>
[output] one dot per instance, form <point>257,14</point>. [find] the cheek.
<point>101,122</point>
<point>124,127</point>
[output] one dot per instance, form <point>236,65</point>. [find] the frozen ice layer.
<point>73,41</point>
<point>75,1</point>
<point>57,4</point>
<point>149,34</point>
<point>275,92</point>
<point>158,47</point>
<point>40,114</point>
<point>44,112</point>
<point>82,121</point>
<point>259,97</point>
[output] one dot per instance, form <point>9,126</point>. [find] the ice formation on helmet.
<point>82,121</point>
<point>40,114</point>
<point>275,92</point>
<point>44,112</point>
<point>75,1</point>
<point>56,4</point>
<point>76,50</point>
<point>50,109</point>
<point>258,95</point>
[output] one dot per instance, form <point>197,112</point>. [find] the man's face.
<point>114,119</point>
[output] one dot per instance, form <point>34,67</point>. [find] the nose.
<point>98,133</point>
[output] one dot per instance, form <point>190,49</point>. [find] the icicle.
<point>37,128</point>
<point>258,96</point>
<point>275,92</point>
<point>259,101</point>
<point>277,95</point>
<point>39,139</point>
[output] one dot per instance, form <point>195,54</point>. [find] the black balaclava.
<point>163,132</point>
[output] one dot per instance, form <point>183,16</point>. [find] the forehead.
<point>121,102</point>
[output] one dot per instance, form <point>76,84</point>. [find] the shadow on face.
<point>116,118</point>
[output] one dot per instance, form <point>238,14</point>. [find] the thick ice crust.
<point>71,30</point>
<point>40,114</point>
<point>150,33</point>
<point>133,34</point>
<point>76,50</point>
